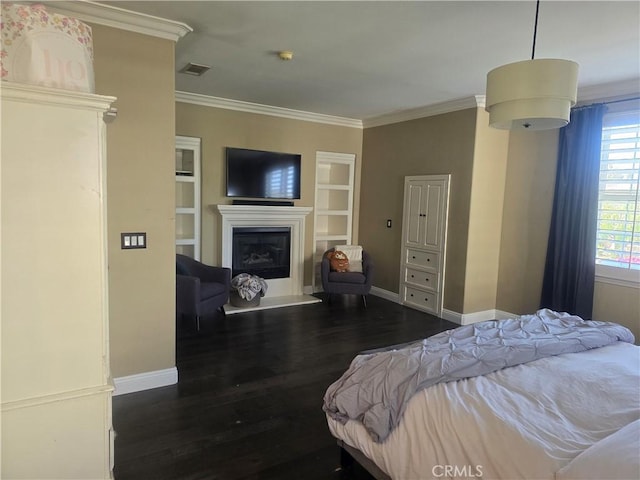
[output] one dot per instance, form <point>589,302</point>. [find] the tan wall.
<point>528,202</point>
<point>434,145</point>
<point>219,128</point>
<point>485,216</point>
<point>614,303</point>
<point>139,70</point>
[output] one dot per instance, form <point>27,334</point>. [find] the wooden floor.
<point>248,404</point>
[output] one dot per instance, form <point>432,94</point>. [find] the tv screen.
<point>260,174</point>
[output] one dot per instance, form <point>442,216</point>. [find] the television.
<point>261,174</point>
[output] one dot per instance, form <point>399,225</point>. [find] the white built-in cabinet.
<point>188,202</point>
<point>333,219</point>
<point>424,237</point>
<point>56,386</point>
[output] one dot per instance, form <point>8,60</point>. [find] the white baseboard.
<point>386,294</point>
<point>475,317</point>
<point>382,293</point>
<point>452,316</point>
<point>501,315</point>
<point>145,381</point>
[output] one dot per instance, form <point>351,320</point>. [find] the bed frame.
<point>349,454</point>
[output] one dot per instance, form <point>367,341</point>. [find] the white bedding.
<point>527,421</point>
<point>615,456</point>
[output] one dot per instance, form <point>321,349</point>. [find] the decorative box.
<point>46,49</point>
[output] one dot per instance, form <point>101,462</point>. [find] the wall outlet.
<point>133,240</point>
<point>389,223</point>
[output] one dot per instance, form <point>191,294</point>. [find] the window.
<point>618,234</point>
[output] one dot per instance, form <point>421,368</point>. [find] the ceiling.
<point>363,60</point>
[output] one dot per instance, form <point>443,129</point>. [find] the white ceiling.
<point>365,59</point>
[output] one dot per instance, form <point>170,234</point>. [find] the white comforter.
<point>527,421</point>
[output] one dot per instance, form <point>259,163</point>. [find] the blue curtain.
<point>569,274</point>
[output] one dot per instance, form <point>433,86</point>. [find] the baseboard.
<point>475,317</point>
<point>501,315</point>
<point>386,294</point>
<point>452,316</point>
<point>145,381</point>
<point>455,317</point>
<point>376,291</point>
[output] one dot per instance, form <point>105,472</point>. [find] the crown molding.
<point>21,92</point>
<point>609,91</point>
<point>240,106</point>
<point>115,17</point>
<point>476,101</point>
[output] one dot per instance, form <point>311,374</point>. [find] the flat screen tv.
<point>260,174</point>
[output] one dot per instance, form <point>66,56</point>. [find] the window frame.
<point>626,277</point>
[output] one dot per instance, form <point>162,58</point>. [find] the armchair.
<point>347,282</point>
<point>200,289</point>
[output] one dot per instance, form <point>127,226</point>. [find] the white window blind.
<point>618,236</point>
<point>280,182</point>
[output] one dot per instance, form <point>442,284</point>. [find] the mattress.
<point>528,421</point>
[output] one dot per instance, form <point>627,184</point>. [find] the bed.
<point>564,412</point>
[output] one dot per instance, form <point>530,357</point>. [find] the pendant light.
<point>534,94</point>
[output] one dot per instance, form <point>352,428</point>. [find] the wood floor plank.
<point>248,402</point>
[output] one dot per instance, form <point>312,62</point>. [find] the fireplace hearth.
<point>262,251</point>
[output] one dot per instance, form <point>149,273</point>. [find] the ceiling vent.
<point>194,69</point>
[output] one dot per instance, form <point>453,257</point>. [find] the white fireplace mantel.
<point>269,216</point>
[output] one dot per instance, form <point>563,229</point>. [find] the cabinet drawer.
<point>424,279</point>
<point>420,298</point>
<point>422,258</point>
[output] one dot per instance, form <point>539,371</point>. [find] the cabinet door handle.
<point>426,279</point>
<point>426,299</point>
<point>412,276</point>
<point>413,258</point>
<point>428,259</point>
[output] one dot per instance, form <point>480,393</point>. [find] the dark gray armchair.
<point>200,289</point>
<point>347,282</point>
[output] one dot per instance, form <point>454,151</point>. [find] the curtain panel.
<point>569,275</point>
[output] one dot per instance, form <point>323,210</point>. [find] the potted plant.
<point>247,289</point>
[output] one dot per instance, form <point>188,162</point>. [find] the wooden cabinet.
<point>188,203</point>
<point>56,386</point>
<point>424,234</point>
<point>333,205</point>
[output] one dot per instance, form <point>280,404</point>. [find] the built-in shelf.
<point>346,238</point>
<point>333,205</point>
<point>334,187</point>
<point>188,196</point>
<point>334,212</point>
<point>186,211</point>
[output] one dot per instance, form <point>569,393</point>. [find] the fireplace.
<point>238,217</point>
<point>262,251</point>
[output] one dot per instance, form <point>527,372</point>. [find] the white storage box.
<point>46,49</point>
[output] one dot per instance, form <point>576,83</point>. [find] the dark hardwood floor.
<point>248,404</point>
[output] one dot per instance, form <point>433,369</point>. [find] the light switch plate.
<point>133,240</point>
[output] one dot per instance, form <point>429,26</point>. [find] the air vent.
<point>194,69</point>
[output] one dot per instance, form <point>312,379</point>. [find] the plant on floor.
<point>248,286</point>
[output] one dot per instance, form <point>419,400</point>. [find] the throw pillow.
<point>354,254</point>
<point>338,261</point>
